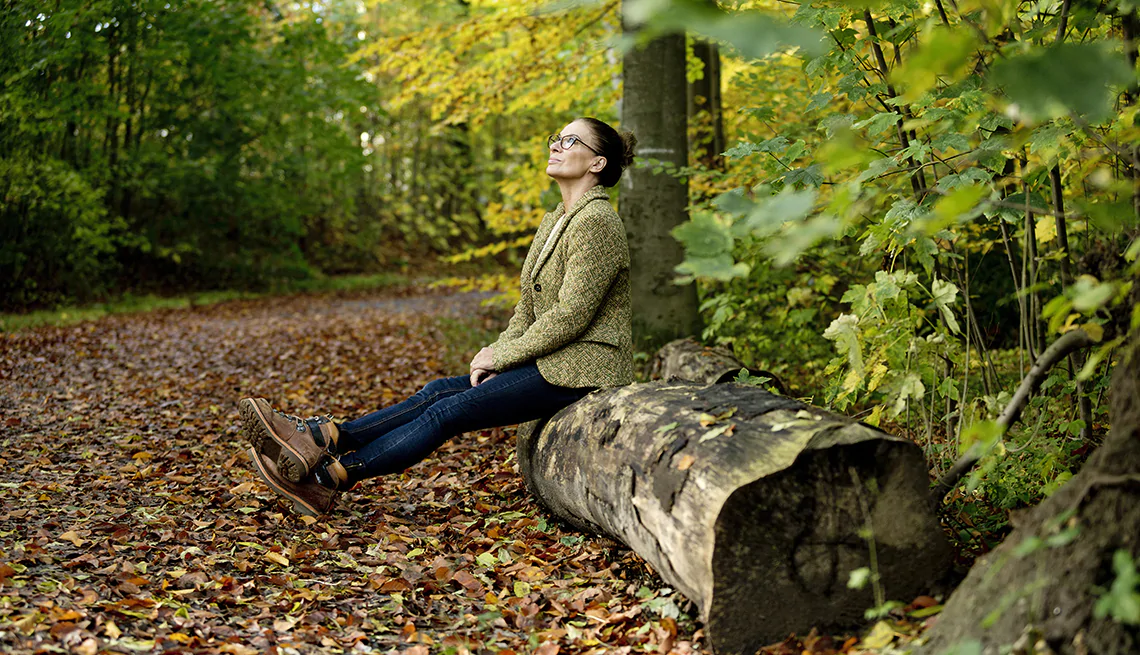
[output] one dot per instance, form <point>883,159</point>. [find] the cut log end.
<point>786,544</point>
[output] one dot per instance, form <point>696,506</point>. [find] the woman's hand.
<point>481,375</point>
<point>485,359</point>
<point>481,366</point>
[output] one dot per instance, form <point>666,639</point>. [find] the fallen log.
<point>757,507</point>
<point>686,359</point>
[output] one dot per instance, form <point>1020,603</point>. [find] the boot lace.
<point>300,422</point>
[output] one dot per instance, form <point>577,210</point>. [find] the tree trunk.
<point>1041,584</point>
<point>704,96</point>
<point>652,204</point>
<point>755,506</point>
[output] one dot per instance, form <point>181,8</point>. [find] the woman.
<point>570,334</point>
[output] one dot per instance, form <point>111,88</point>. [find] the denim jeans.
<point>392,439</point>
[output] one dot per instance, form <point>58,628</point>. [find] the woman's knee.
<point>442,387</point>
<point>446,415</point>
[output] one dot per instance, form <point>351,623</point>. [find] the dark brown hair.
<point>616,147</point>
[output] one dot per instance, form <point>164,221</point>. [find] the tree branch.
<point>1072,341</point>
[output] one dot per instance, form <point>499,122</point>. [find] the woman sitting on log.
<point>570,334</point>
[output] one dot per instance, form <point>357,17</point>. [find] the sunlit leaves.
<point>943,54</point>
<point>1069,78</point>
<point>752,33</point>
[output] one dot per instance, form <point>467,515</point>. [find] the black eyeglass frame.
<point>572,138</point>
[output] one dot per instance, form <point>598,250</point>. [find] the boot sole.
<point>299,506</point>
<point>290,464</point>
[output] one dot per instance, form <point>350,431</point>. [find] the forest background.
<point>895,205</point>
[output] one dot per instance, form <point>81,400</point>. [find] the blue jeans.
<point>392,439</point>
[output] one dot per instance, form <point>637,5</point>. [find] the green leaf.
<point>704,236</point>
<point>879,123</point>
<point>768,214</point>
<point>959,205</point>
<point>720,268</point>
<point>1071,77</point>
<point>859,578</point>
<point>943,294</point>
<point>1089,294</point>
<point>943,53</point>
<point>844,331</point>
<point>753,34</point>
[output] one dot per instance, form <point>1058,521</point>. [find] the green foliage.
<point>56,230</point>
<point>910,168</point>
<point>171,146</point>
<point>1121,602</point>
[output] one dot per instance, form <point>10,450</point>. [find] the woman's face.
<point>578,160</point>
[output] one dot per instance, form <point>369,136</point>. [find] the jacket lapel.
<point>544,228</point>
<point>594,193</point>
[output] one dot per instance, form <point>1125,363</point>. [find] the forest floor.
<point>131,519</point>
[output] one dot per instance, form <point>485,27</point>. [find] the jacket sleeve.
<point>523,316</point>
<point>524,308</point>
<point>594,259</point>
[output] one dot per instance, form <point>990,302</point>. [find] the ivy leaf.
<point>1071,77</point>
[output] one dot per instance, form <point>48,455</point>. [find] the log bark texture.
<point>686,359</point>
<point>1036,593</point>
<point>759,524</point>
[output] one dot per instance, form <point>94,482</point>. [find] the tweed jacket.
<point>573,315</point>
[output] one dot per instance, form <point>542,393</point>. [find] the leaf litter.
<point>132,521</point>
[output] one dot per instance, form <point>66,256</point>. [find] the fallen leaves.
<point>131,521</point>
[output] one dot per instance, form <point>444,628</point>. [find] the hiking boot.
<point>293,444</point>
<point>309,498</point>
<point>330,473</point>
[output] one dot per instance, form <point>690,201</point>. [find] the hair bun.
<point>629,142</point>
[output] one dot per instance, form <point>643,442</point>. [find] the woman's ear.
<point>598,165</point>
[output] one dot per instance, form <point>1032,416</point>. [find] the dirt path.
<point>131,520</point>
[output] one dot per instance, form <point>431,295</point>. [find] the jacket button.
<point>537,286</point>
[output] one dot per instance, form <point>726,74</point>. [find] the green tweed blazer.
<point>573,314</point>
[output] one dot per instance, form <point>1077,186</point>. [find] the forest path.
<point>131,519</point>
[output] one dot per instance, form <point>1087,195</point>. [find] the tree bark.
<point>759,524</point>
<point>704,96</point>
<point>686,359</point>
<point>652,204</point>
<point>1041,584</point>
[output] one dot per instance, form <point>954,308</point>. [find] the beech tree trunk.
<point>1036,592</point>
<point>654,108</point>
<point>755,506</point>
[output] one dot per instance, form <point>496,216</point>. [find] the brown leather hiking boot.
<point>294,445</point>
<point>309,497</point>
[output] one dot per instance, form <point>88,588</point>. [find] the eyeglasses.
<point>567,142</point>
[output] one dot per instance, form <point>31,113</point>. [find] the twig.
<point>1072,341</point>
